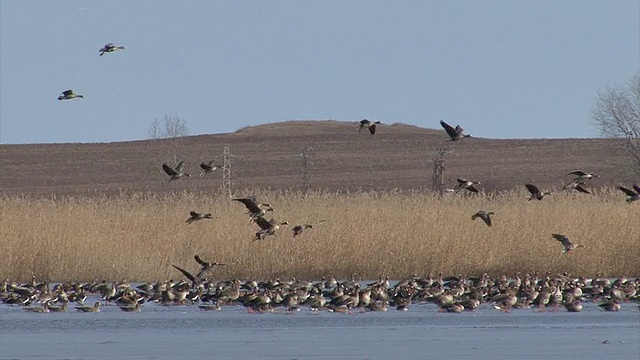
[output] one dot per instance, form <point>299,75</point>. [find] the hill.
<point>269,156</point>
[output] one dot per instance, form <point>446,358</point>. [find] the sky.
<point>500,68</point>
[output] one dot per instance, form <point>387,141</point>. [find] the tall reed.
<point>138,237</point>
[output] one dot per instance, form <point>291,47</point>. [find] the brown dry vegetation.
<point>138,237</point>
<point>84,211</point>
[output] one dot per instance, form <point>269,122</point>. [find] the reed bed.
<point>138,237</point>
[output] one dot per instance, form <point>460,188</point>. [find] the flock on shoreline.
<point>453,294</point>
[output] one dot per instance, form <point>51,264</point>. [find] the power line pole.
<point>307,151</point>
<point>226,172</point>
<point>438,171</point>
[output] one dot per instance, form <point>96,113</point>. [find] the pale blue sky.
<point>502,69</point>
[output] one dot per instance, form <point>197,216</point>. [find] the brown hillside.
<point>268,156</point>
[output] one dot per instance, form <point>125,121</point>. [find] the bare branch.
<point>173,128</point>
<point>616,113</point>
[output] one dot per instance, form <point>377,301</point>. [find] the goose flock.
<point>452,294</point>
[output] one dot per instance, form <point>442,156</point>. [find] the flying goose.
<point>456,133</point>
<point>267,227</point>
<point>109,47</point>
<point>255,208</point>
<point>576,185</point>
<point>581,175</point>
<point>535,192</point>
<point>466,184</point>
<point>484,215</point>
<point>177,173</point>
<point>208,168</point>
<point>205,267</point>
<point>631,194</point>
<point>298,229</point>
<point>69,94</point>
<point>195,216</point>
<point>365,123</point>
<point>568,245</point>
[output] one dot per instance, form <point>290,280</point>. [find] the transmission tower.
<point>226,172</point>
<point>307,151</point>
<point>438,171</point>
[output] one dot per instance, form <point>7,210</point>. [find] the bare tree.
<point>616,114</point>
<point>173,128</point>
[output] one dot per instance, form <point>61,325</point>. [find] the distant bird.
<point>195,216</point>
<point>456,133</point>
<point>610,305</point>
<point>109,47</point>
<point>631,194</point>
<point>573,306</point>
<point>535,192</point>
<point>484,215</point>
<point>208,168</point>
<point>177,173</point>
<point>94,308</point>
<point>255,208</point>
<point>576,185</point>
<point>205,267</point>
<point>68,95</point>
<point>267,228</point>
<point>567,244</point>
<point>298,229</point>
<point>364,123</point>
<point>581,175</point>
<point>466,184</point>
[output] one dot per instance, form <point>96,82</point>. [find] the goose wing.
<point>459,129</point>
<point>577,173</point>
<point>627,191</point>
<point>205,166</point>
<point>168,169</point>
<point>472,188</point>
<point>372,129</point>
<point>581,189</point>
<point>532,189</point>
<point>250,204</point>
<point>185,273</point>
<point>67,92</point>
<point>263,223</point>
<point>487,219</point>
<point>180,167</point>
<point>636,188</point>
<point>449,129</point>
<point>194,214</point>
<point>364,122</point>
<point>563,239</point>
<point>200,261</point>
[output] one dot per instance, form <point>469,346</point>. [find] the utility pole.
<point>307,151</point>
<point>438,171</point>
<point>226,172</point>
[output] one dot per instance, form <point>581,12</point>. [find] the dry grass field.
<point>106,211</point>
<point>138,237</point>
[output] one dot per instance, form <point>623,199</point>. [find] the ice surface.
<point>186,332</point>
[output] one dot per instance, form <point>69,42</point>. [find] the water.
<point>182,332</point>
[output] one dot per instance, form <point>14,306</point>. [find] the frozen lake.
<point>182,332</point>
